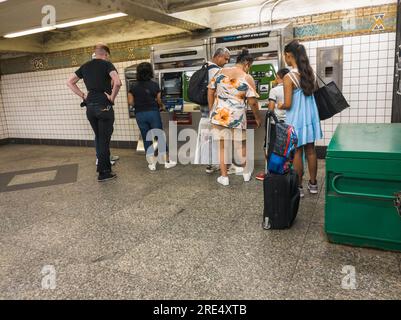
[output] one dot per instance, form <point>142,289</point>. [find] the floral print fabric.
<point>229,109</point>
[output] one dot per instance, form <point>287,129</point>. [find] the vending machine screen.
<point>264,75</point>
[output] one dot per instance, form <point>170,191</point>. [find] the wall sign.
<point>246,36</point>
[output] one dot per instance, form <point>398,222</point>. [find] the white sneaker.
<point>301,192</point>
<point>247,177</point>
<point>151,159</point>
<point>170,164</point>
<point>235,170</point>
<point>313,188</point>
<point>152,167</point>
<point>223,181</point>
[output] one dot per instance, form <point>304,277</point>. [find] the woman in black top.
<point>145,97</point>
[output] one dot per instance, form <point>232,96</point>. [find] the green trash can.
<point>363,186</point>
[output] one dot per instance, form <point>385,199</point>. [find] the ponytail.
<point>307,82</point>
<point>245,57</point>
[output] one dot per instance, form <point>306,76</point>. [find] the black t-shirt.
<point>96,75</point>
<point>145,94</point>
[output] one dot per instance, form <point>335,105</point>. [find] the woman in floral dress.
<point>230,91</point>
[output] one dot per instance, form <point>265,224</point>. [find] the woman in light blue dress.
<point>302,113</point>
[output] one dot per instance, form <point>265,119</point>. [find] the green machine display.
<point>264,75</point>
<point>185,83</point>
<point>363,186</point>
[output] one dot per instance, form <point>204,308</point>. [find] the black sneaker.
<point>106,177</point>
<point>212,169</point>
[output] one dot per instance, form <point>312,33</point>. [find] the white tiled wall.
<point>39,105</point>
<point>3,123</point>
<point>368,79</point>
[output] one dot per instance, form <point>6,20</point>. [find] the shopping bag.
<point>329,100</point>
<point>207,148</point>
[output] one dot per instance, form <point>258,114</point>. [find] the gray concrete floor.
<point>169,235</point>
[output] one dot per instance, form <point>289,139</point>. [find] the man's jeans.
<point>102,124</point>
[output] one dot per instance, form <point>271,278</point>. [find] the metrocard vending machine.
<point>130,80</point>
<point>174,64</point>
<point>265,45</point>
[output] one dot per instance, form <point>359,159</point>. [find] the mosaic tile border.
<point>343,23</point>
<point>347,27</point>
<point>312,27</point>
<point>122,51</point>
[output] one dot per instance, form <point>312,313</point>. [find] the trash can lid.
<point>367,141</point>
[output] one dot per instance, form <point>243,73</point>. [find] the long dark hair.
<point>245,57</point>
<point>144,71</point>
<point>304,67</point>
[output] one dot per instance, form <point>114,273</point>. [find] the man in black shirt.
<point>103,84</point>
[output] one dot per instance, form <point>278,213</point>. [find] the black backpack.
<point>197,89</point>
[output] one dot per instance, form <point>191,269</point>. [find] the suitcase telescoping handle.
<point>269,116</point>
<point>396,198</point>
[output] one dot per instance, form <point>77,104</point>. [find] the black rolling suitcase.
<point>281,193</point>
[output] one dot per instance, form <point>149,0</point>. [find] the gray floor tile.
<point>172,234</point>
<point>241,269</point>
<point>164,258</point>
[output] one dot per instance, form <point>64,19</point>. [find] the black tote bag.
<point>329,100</point>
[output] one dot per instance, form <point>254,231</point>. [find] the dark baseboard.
<point>321,152</point>
<point>72,143</point>
<point>4,141</point>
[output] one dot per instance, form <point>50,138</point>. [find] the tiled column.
<point>396,114</point>
<point>3,123</point>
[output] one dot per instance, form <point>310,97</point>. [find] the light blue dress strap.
<point>294,79</point>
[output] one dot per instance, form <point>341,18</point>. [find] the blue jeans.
<point>148,120</point>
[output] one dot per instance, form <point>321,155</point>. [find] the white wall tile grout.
<point>39,104</point>
<point>3,123</point>
<point>368,73</point>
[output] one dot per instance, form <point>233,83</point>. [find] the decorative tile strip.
<point>336,24</point>
<point>122,51</point>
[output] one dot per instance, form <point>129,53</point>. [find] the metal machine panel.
<point>180,55</point>
<point>189,53</point>
<point>130,79</point>
<point>330,65</point>
<point>263,43</point>
<point>174,64</point>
